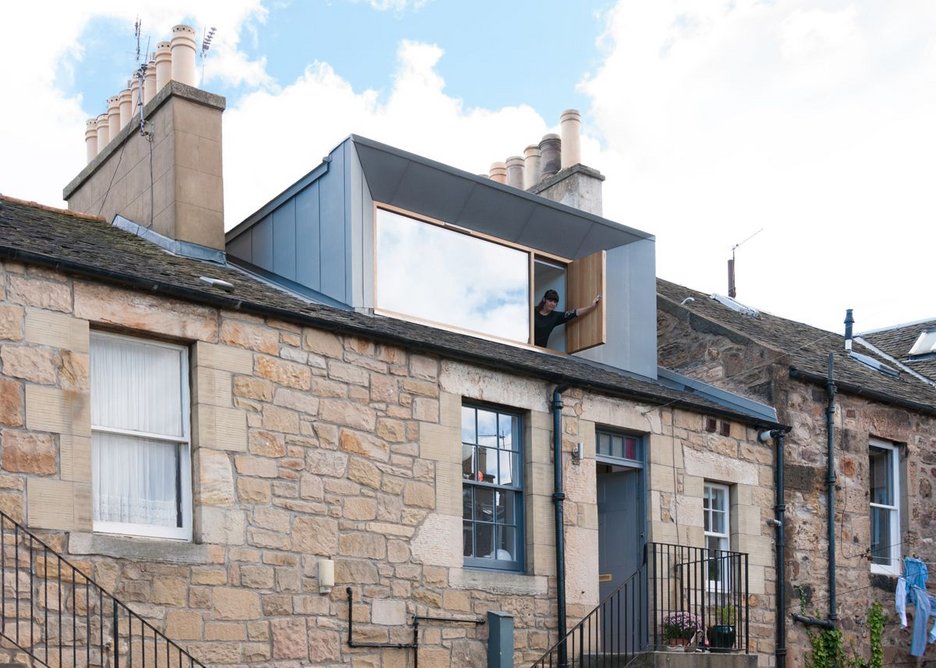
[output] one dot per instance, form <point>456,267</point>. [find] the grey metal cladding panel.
<point>555,232</point>
<point>241,247</point>
<point>334,224</point>
<point>308,238</point>
<point>284,240</point>
<point>262,238</point>
<point>432,192</point>
<point>384,171</point>
<point>497,213</point>
<point>601,237</point>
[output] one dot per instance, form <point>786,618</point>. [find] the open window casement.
<point>585,279</point>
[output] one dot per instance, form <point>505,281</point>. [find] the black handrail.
<point>59,616</point>
<point>705,590</point>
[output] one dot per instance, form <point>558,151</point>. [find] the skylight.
<point>735,305</point>
<point>875,364</point>
<point>925,343</point>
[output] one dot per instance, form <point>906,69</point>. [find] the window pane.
<point>604,443</point>
<point>468,461</point>
<point>469,434</point>
<point>483,504</point>
<point>630,448</point>
<point>136,386</point>
<point>468,538</point>
<point>484,541</point>
<point>507,468</point>
<point>505,429</point>
<point>468,503</point>
<point>135,480</point>
<point>881,536</point>
<point>487,464</point>
<point>881,477</point>
<point>487,428</point>
<point>486,289</point>
<point>506,543</point>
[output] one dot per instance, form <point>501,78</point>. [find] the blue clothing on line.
<point>911,588</point>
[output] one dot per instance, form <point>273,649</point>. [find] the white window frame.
<point>724,537</point>
<point>893,453</point>
<point>184,442</point>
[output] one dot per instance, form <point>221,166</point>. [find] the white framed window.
<point>717,512</point>
<point>884,486</point>
<point>140,437</point>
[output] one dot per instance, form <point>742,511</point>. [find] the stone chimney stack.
<point>167,176</point>
<point>565,179</point>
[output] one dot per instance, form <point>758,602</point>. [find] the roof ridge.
<point>50,209</point>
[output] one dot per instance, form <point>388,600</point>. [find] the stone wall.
<point>308,445</point>
<point>749,368</point>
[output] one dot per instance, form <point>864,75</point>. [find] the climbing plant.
<point>827,649</point>
<point>876,632</point>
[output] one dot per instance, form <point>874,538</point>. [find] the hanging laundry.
<point>911,588</point>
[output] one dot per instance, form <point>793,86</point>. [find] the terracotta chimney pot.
<point>90,135</point>
<point>163,65</point>
<point>183,54</point>
<point>570,126</point>
<point>550,161</point>
<point>498,172</point>
<point>515,171</point>
<point>531,166</point>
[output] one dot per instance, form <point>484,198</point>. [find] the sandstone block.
<point>419,494</point>
<point>251,490</point>
<point>325,646</point>
<point>289,638</point>
<point>260,467</point>
<point>327,463</point>
<point>358,443</point>
<point>315,535</point>
<point>215,483</point>
<point>37,365</point>
<point>364,472</point>
<point>225,358</point>
<point>281,372</point>
<point>25,452</point>
<point>232,603</point>
<point>213,386</point>
<point>266,444</point>
<point>11,322</point>
<point>40,293</point>
<point>221,526</point>
<point>280,419</point>
<point>11,403</point>
<point>250,336</point>
<point>347,414</point>
<point>253,388</point>
<point>304,402</point>
<point>220,428</point>
<point>322,343</point>
<point>360,508</point>
<point>364,545</point>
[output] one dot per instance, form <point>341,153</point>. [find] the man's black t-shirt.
<point>543,325</point>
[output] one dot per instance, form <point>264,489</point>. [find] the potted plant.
<point>722,634</point>
<point>680,627</point>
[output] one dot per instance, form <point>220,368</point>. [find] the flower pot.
<point>721,637</point>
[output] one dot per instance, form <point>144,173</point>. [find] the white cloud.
<point>811,120</point>
<point>396,5</point>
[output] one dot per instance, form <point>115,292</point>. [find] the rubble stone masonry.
<point>307,444</point>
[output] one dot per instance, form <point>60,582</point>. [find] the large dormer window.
<point>447,276</point>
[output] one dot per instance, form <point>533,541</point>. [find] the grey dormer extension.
<point>387,232</point>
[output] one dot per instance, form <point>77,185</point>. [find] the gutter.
<point>558,497</point>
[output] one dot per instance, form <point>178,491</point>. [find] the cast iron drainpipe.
<point>778,522</point>
<point>558,497</point>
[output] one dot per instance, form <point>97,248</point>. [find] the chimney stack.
<point>182,47</point>
<point>570,127</point>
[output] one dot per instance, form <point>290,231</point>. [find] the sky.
<point>797,134</point>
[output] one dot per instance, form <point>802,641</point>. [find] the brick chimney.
<point>165,176</point>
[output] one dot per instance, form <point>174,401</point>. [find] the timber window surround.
<point>140,437</point>
<point>717,511</point>
<point>492,488</point>
<point>467,281</point>
<point>885,494</point>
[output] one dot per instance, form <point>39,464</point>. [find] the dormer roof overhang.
<point>477,203</point>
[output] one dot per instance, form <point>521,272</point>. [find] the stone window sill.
<point>148,549</point>
<point>501,582</point>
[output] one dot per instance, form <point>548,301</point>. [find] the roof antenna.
<point>732,291</point>
<point>205,45</point>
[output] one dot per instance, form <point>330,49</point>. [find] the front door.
<point>621,539</point>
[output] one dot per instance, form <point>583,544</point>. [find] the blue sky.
<point>809,120</point>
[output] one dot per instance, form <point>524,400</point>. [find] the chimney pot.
<point>163,65</point>
<point>550,160</point>
<point>531,166</point>
<point>149,82</point>
<point>849,322</point>
<point>570,126</point>
<point>113,116</point>
<point>498,172</point>
<point>515,171</point>
<point>183,54</point>
<point>90,135</point>
<point>103,132</point>
<point>123,105</point>
<point>136,93</point>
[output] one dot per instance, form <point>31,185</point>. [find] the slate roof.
<point>89,247</point>
<point>896,341</point>
<point>803,348</point>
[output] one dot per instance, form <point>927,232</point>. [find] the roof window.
<point>925,343</point>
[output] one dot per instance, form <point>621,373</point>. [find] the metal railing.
<point>702,592</point>
<point>707,589</point>
<point>609,636</point>
<point>61,617</point>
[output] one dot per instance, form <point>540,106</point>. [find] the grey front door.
<point>621,541</point>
